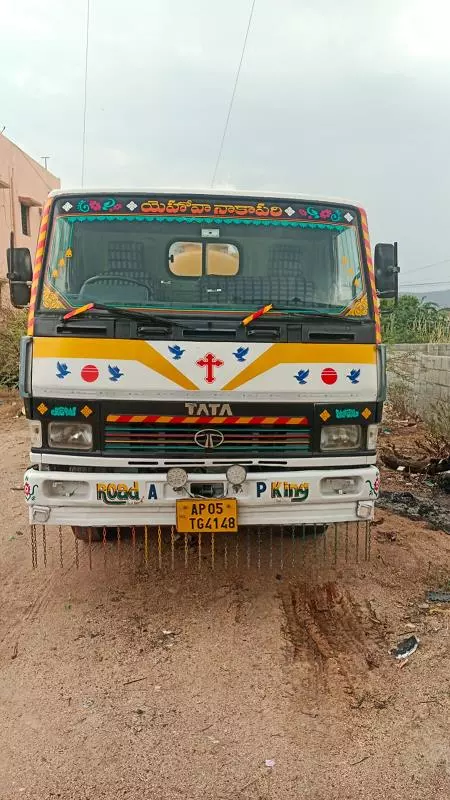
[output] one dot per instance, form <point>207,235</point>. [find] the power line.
<point>437,283</point>
<point>427,266</point>
<point>83,154</point>
<point>230,107</point>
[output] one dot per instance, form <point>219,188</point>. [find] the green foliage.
<point>13,325</point>
<point>413,320</point>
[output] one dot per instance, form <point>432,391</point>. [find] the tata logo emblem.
<point>208,409</point>
<point>209,439</point>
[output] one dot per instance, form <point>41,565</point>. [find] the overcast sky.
<point>344,98</point>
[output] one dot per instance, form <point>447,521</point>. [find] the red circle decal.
<point>89,373</point>
<point>329,375</point>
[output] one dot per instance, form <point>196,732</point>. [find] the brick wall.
<point>423,370</point>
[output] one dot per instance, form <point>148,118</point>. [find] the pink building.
<point>24,186</point>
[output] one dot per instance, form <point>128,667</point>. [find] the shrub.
<point>13,325</point>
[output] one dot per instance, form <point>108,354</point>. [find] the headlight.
<point>35,433</point>
<point>65,488</point>
<point>340,437</point>
<point>341,485</point>
<point>70,435</point>
<point>372,435</point>
<point>236,474</point>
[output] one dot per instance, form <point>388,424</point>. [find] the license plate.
<point>207,516</point>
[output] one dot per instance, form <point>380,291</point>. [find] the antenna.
<point>45,159</point>
<point>86,64</point>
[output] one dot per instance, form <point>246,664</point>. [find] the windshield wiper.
<point>298,315</point>
<point>125,312</point>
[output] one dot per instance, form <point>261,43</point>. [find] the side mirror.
<point>386,270</point>
<point>20,274</point>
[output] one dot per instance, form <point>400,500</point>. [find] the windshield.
<point>132,253</point>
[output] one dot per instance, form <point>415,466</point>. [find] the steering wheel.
<point>113,276</point>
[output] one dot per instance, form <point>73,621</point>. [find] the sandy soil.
<point>119,685</point>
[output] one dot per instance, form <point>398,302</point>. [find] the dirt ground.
<point>118,685</point>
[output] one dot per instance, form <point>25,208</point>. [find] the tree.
<point>414,320</point>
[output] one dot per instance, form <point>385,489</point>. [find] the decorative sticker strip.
<point>344,414</point>
<point>286,223</point>
<point>38,264</point>
<point>125,419</point>
<point>376,305</point>
<point>194,207</point>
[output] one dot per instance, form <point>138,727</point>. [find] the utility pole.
<point>45,159</point>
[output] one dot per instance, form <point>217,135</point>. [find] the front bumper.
<point>295,497</point>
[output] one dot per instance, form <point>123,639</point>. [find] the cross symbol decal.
<point>209,361</point>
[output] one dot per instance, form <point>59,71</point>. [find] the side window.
<point>193,259</point>
<point>185,259</point>
<point>25,219</point>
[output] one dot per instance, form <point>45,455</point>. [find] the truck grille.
<point>208,438</point>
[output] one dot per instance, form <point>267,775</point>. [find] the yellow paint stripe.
<point>112,350</point>
<point>304,354</point>
<point>112,417</point>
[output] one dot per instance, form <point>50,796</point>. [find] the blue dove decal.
<point>62,370</point>
<point>353,375</point>
<point>302,376</point>
<point>240,353</point>
<point>115,373</point>
<point>176,351</point>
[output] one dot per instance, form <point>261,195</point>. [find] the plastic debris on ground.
<point>438,597</point>
<point>405,648</point>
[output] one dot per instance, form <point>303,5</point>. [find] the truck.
<point>201,360</point>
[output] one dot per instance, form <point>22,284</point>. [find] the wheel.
<point>82,533</point>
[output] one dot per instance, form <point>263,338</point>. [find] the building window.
<point>25,217</point>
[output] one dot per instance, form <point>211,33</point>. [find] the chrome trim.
<point>25,361</point>
<point>381,372</point>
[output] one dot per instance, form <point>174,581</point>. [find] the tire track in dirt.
<point>333,642</point>
<point>37,606</point>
